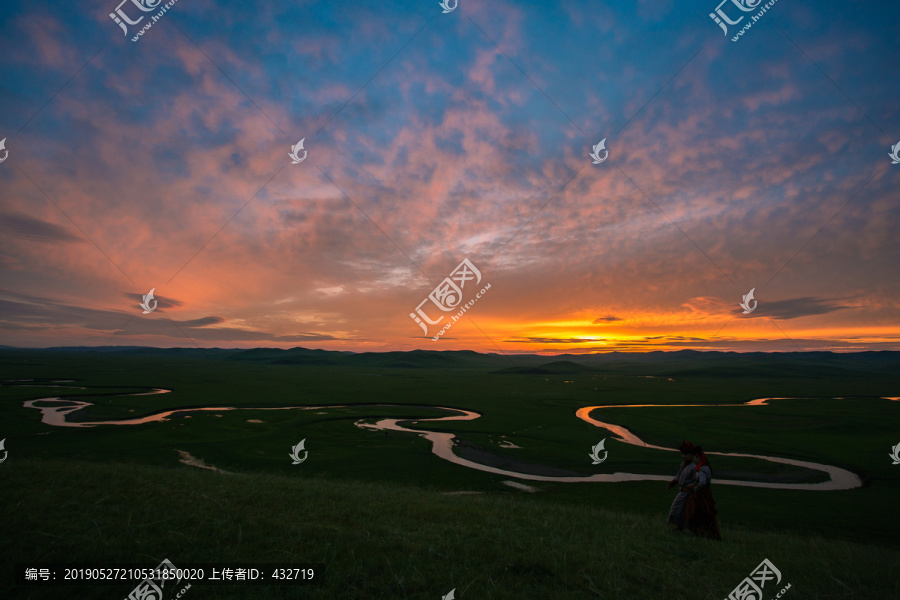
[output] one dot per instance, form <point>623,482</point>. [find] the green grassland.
<point>373,506</point>
<point>398,541</point>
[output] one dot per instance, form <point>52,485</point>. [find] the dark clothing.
<point>700,509</point>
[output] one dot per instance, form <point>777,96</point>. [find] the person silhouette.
<point>684,477</point>
<point>700,509</point>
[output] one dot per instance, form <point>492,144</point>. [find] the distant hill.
<point>560,367</point>
<point>682,363</point>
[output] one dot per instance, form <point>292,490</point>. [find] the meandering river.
<point>54,411</point>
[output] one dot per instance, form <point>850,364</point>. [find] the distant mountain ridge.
<point>684,363</point>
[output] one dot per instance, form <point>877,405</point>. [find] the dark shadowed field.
<point>382,513</point>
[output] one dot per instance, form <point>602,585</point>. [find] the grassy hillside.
<point>385,515</point>
<point>533,411</point>
<point>396,541</point>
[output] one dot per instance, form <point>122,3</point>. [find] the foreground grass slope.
<point>535,412</point>
<point>394,541</point>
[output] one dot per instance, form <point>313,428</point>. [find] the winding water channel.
<point>54,411</point>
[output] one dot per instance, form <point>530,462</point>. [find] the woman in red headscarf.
<point>700,510</point>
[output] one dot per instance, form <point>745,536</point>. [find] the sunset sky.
<point>433,138</point>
